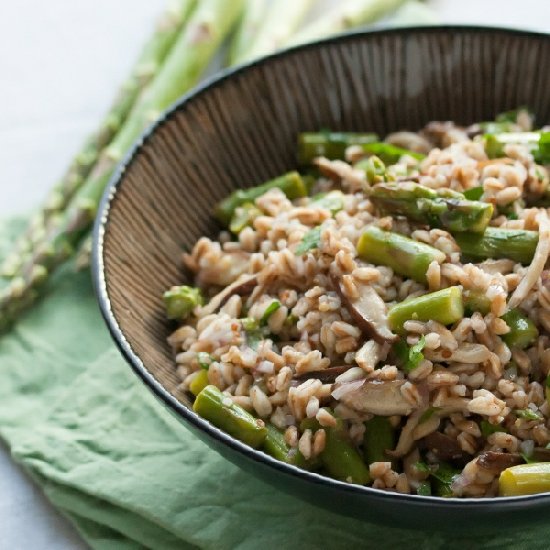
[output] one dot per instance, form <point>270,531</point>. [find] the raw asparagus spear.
<point>422,204</point>
<point>516,244</point>
<point>208,25</point>
<point>253,16</point>
<point>405,256</point>
<point>378,438</point>
<point>219,409</point>
<point>331,145</point>
<point>154,52</point>
<point>523,331</point>
<point>444,306</point>
<point>279,23</point>
<point>292,185</point>
<point>347,14</point>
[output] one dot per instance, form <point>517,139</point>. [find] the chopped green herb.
<point>527,414</point>
<point>422,467</point>
<point>311,240</point>
<point>443,477</point>
<point>254,337</point>
<point>410,357</point>
<point>204,360</point>
<point>487,428</point>
<point>474,193</point>
<point>269,311</point>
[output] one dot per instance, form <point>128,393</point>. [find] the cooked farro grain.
<point>308,326</point>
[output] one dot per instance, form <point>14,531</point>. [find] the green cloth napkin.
<point>127,473</point>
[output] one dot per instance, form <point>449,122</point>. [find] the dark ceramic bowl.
<point>238,130</point>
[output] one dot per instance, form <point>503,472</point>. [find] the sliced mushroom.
<point>444,447</point>
<point>496,462</point>
<point>383,398</point>
<point>368,311</point>
<point>243,286</point>
<point>327,376</point>
<point>339,171</point>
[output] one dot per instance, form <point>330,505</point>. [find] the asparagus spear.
<point>347,14</point>
<point>523,331</point>
<point>331,145</point>
<point>219,409</point>
<point>254,14</point>
<point>199,382</point>
<point>339,457</point>
<point>424,205</point>
<point>208,25</point>
<point>148,64</point>
<point>279,23</point>
<point>525,479</point>
<point>378,438</point>
<point>444,306</point>
<point>180,301</point>
<point>405,256</point>
<point>516,244</point>
<point>390,154</point>
<point>291,184</point>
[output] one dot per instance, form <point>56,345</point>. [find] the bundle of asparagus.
<point>186,39</point>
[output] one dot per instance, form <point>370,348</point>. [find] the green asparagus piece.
<point>331,145</point>
<point>390,154</point>
<point>180,301</point>
<point>525,479</point>
<point>374,169</point>
<point>424,205</point>
<point>243,216</point>
<point>475,300</point>
<point>339,457</point>
<point>253,16</point>
<point>276,446</point>
<point>424,488</point>
<point>280,21</point>
<point>444,306</point>
<point>523,331</point>
<point>199,382</point>
<point>219,409</point>
<point>345,15</point>
<point>207,27</point>
<point>405,256</point>
<point>516,244</point>
<point>292,185</point>
<point>379,436</point>
<point>147,66</point>
<point>538,144</point>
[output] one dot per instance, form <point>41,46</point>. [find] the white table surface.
<point>60,63</point>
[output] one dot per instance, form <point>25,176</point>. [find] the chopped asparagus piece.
<point>219,409</point>
<point>389,154</point>
<point>527,414</point>
<point>331,145</point>
<point>275,444</point>
<point>422,204</point>
<point>475,300</point>
<point>525,479</point>
<point>538,143</point>
<point>523,331</point>
<point>374,168</point>
<point>180,301</point>
<point>243,216</point>
<point>405,256</point>
<point>378,438</point>
<point>444,306</point>
<point>518,245</point>
<point>269,311</point>
<point>199,382</point>
<point>291,184</point>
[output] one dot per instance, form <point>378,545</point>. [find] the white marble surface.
<point>60,63</point>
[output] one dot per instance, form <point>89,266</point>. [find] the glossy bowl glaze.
<point>238,130</point>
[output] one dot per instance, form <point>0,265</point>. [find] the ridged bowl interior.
<point>241,129</point>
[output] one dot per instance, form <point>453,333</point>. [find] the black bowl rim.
<point>188,415</point>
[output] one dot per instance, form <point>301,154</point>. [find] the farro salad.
<point>383,317</point>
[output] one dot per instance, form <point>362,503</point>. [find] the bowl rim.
<point>188,415</point>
